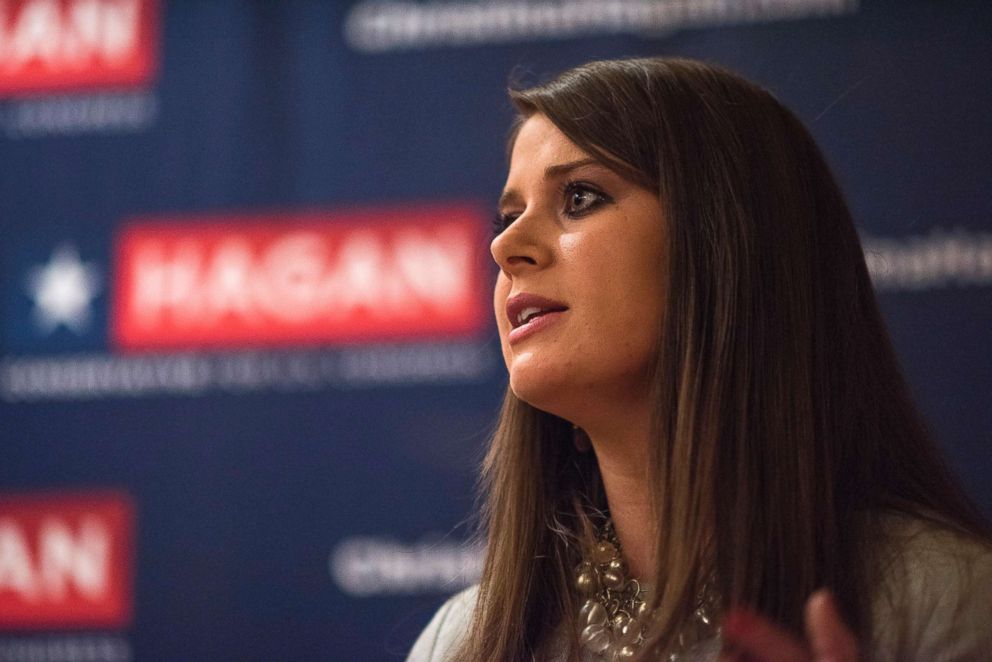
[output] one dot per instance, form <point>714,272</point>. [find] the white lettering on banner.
<point>87,377</point>
<point>284,279</point>
<point>81,559</point>
<point>925,262</point>
<point>16,569</point>
<point>67,34</point>
<point>374,566</point>
<point>66,648</point>
<point>72,115</point>
<point>375,25</point>
<point>298,278</point>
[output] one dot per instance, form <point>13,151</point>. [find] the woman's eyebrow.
<point>561,168</point>
<point>556,170</point>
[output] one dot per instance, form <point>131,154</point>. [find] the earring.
<point>580,440</point>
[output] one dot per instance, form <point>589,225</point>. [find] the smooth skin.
<point>575,231</point>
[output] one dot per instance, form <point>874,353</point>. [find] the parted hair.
<point>783,424</point>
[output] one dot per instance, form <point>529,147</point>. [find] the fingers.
<point>830,640</point>
<point>748,636</point>
<point>753,637</point>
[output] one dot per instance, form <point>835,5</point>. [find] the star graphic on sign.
<point>63,291</point>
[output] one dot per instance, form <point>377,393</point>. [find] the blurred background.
<point>247,367</point>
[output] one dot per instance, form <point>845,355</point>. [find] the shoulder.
<point>934,600</point>
<point>445,631</point>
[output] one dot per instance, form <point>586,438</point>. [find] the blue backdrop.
<point>310,500</point>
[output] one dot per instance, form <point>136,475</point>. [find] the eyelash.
<point>569,188</point>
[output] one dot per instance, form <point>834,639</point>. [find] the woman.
<point>705,419</point>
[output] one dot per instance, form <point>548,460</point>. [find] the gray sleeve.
<point>446,630</point>
<point>938,607</point>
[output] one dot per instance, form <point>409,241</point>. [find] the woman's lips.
<point>529,313</point>
<point>535,324</point>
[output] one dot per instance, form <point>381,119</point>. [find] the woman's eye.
<point>580,199</point>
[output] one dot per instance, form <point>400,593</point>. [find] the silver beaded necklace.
<point>615,613</point>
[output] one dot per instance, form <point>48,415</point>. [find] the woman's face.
<point>581,291</point>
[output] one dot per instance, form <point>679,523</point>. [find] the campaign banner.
<point>66,561</point>
<point>299,279</point>
<point>51,46</point>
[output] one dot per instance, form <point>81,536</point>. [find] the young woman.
<point>707,449</point>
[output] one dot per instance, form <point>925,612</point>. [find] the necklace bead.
<point>615,610</point>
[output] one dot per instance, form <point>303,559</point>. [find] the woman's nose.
<point>522,246</point>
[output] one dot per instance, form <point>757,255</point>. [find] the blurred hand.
<point>749,637</point>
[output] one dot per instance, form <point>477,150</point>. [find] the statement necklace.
<point>615,613</point>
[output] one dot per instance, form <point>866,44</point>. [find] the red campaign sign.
<point>414,272</point>
<point>65,45</point>
<point>66,561</point>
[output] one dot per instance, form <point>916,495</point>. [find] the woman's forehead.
<point>539,139</point>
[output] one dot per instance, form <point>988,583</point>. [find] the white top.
<point>935,604</point>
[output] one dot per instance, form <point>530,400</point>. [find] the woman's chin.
<point>542,391</point>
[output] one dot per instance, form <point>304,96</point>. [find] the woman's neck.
<point>622,453</point>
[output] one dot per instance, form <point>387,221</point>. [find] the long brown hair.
<point>782,418</point>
